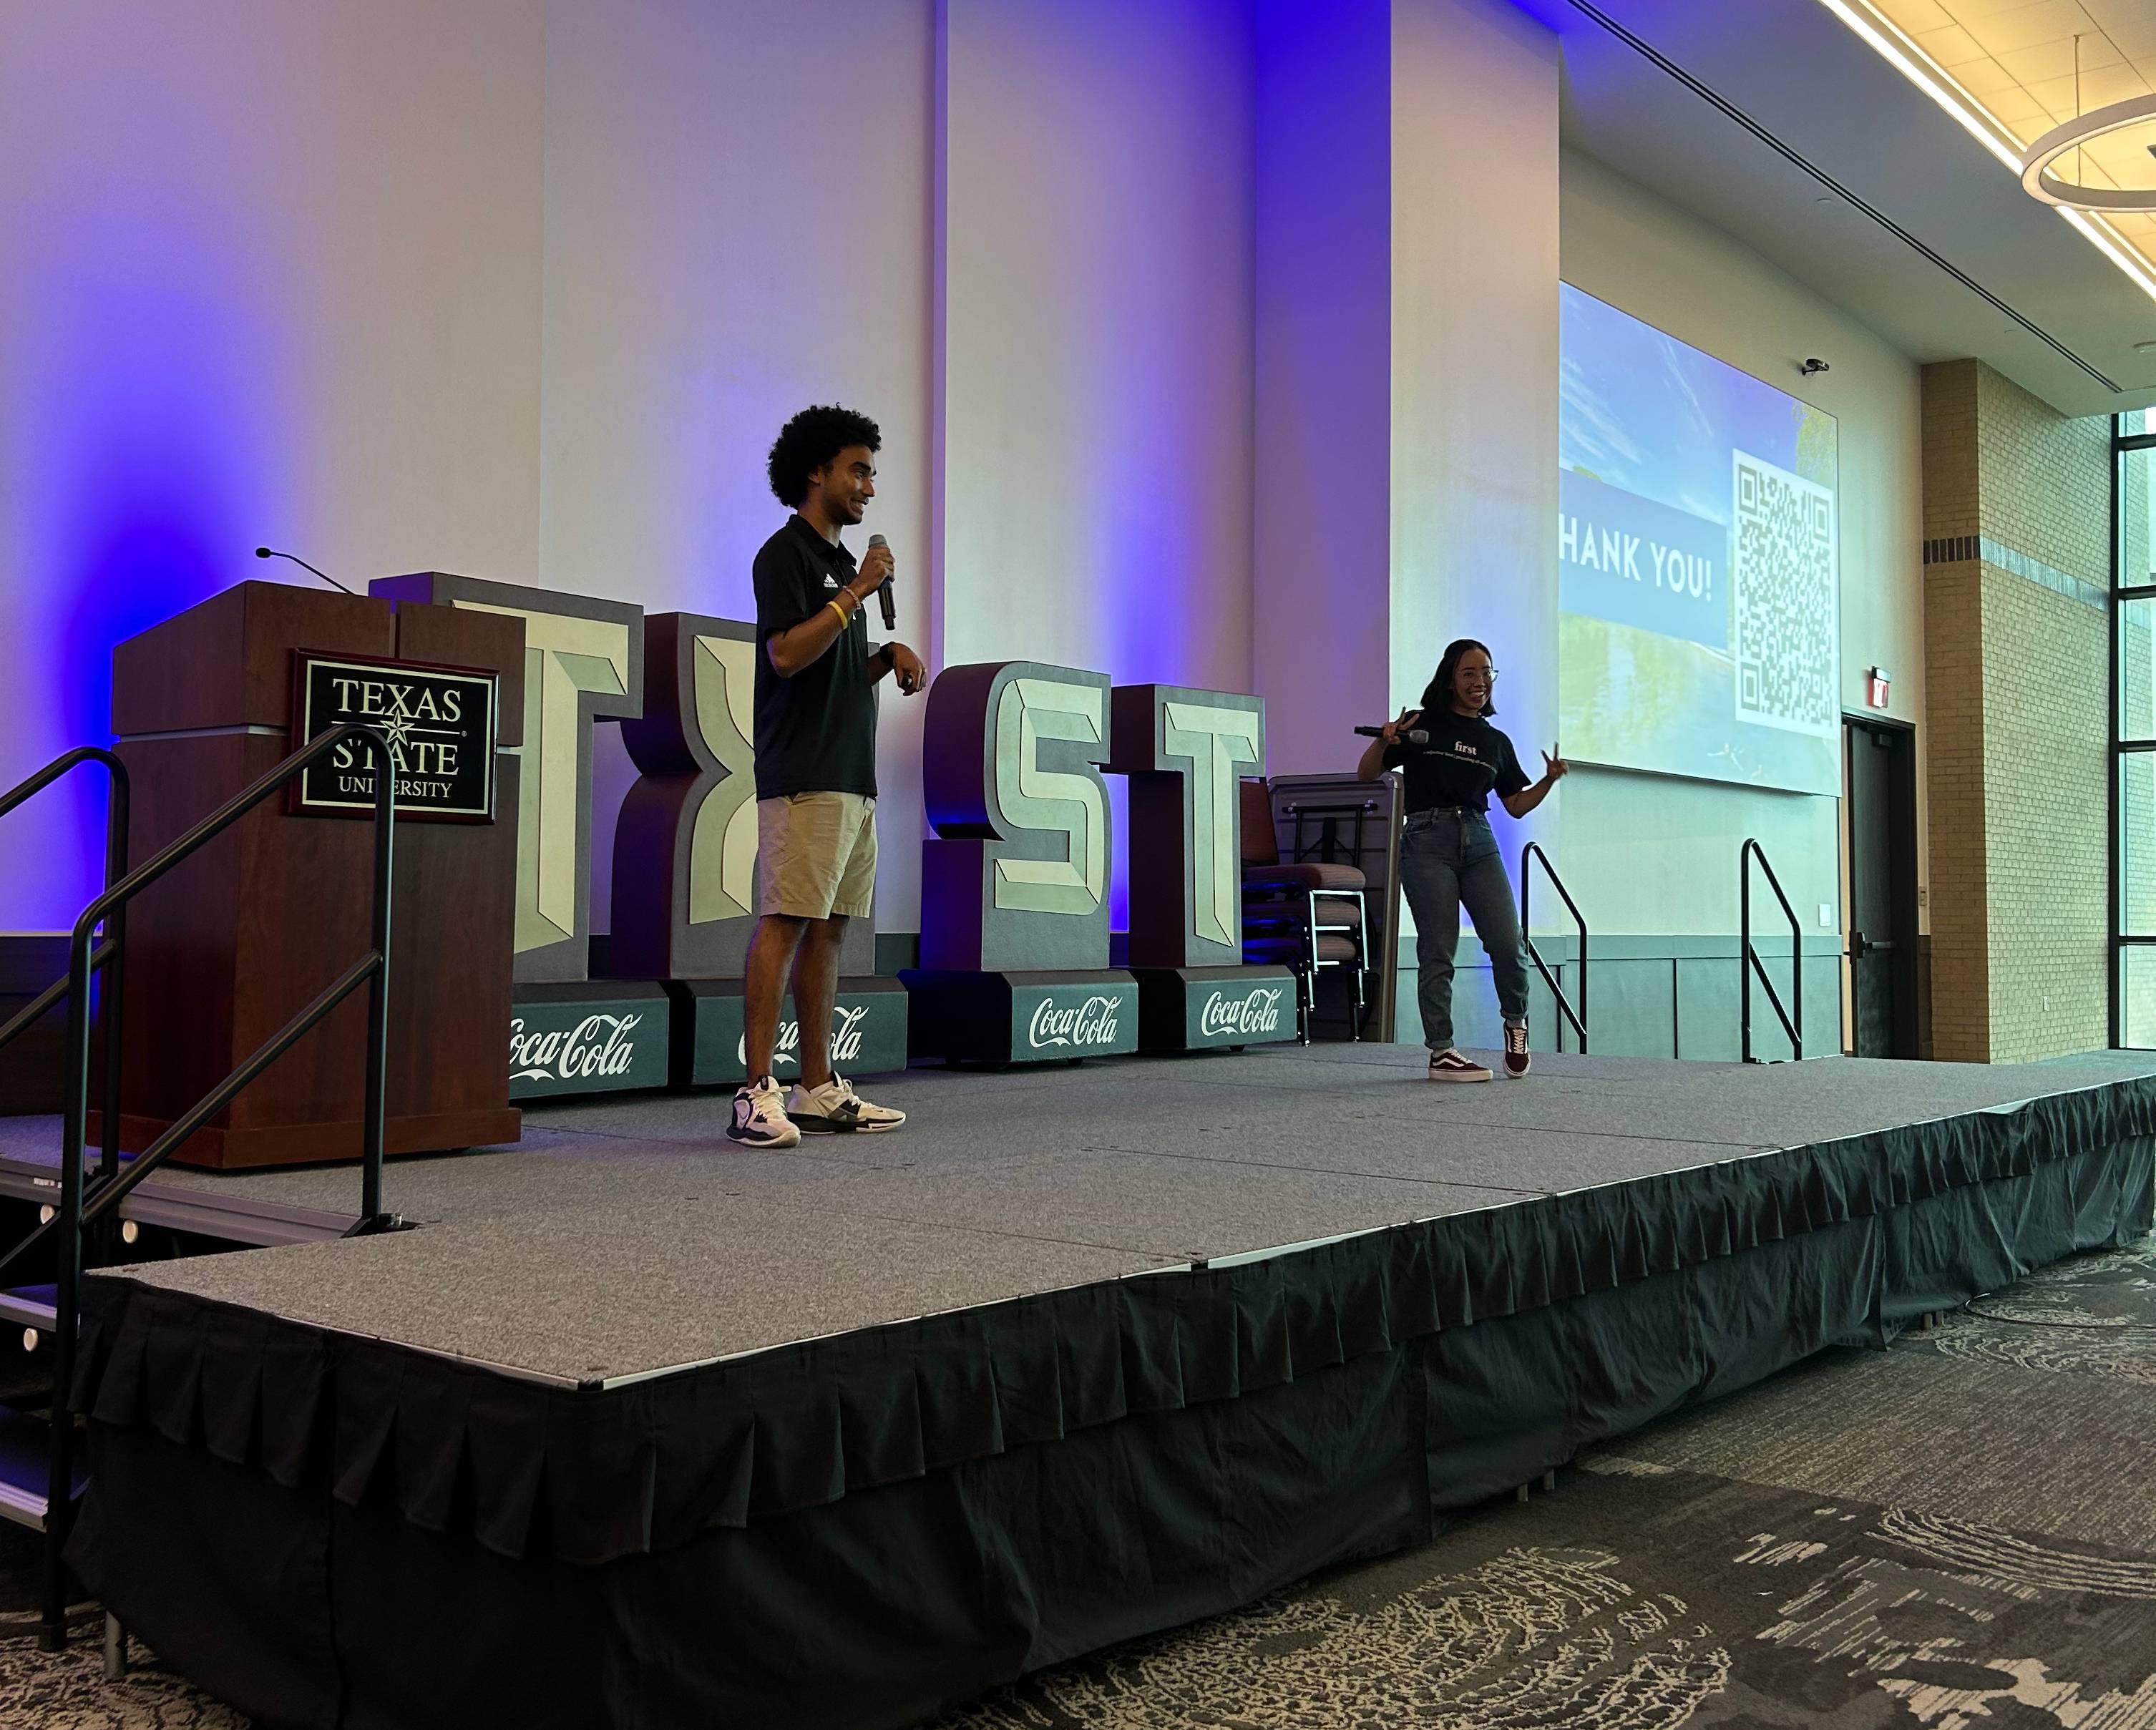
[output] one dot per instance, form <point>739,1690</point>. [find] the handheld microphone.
<point>883,590</point>
<point>271,553</point>
<point>1415,736</point>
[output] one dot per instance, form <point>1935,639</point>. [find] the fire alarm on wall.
<point>1876,683</point>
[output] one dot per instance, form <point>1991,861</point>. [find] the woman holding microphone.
<point>1448,856</point>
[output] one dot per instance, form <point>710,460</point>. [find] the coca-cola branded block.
<point>869,1021</point>
<point>600,1036</point>
<point>1199,1008</point>
<point>1022,1017</point>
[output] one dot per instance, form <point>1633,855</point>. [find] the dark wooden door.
<point>1882,789</point>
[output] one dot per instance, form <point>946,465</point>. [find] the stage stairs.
<point>95,1207</point>
<point>157,1222</point>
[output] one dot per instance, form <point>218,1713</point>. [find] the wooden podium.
<point>235,940</point>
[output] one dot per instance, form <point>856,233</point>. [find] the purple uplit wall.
<point>712,267</point>
<point>142,373</point>
<point>259,283</point>
<point>1323,261</point>
<point>130,441</point>
<point>1096,360</point>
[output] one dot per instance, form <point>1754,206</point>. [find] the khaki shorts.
<point>816,855</point>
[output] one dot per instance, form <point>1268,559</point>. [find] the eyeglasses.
<point>1469,673</point>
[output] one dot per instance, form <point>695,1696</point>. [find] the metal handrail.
<point>1578,1018</point>
<point>109,955</point>
<point>74,1215</point>
<point>1749,961</point>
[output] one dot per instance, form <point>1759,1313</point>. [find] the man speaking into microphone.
<point>815,769</point>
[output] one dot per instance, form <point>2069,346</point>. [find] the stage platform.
<point>640,1429</point>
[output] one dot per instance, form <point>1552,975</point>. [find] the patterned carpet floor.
<point>1957,1533</point>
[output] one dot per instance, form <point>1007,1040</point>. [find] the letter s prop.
<point>1017,877</point>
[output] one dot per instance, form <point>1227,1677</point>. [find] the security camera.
<point>1812,366</point>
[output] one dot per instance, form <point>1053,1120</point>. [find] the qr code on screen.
<point>1782,569</point>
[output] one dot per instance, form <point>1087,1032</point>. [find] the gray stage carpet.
<point>625,1237</point>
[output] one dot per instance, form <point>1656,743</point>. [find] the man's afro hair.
<point>809,441</point>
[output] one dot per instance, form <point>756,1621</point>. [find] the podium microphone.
<point>1416,737</point>
<point>883,590</point>
<point>271,553</point>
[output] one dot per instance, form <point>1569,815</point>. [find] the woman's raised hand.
<point>1394,729</point>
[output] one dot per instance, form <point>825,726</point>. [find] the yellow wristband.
<point>845,618</point>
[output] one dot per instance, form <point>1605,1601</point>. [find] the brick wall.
<point>1960,897</point>
<point>2047,821</point>
<point>2044,480</point>
<point>2017,641</point>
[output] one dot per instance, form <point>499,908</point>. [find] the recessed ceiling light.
<point>2145,348</point>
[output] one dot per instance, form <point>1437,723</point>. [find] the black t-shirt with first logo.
<point>1465,760</point>
<point>815,733</point>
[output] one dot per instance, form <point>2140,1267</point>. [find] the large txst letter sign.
<point>583,662</point>
<point>1186,752</point>
<point>1017,877</point>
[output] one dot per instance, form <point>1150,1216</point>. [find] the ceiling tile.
<point>1914,16</point>
<point>2057,96</point>
<point>1951,47</point>
<point>2131,17</point>
<point>2020,113</point>
<point>1984,77</point>
<point>2056,59</point>
<point>2111,84</point>
<point>2042,21</point>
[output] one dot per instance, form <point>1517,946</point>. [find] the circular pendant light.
<point>2099,122</point>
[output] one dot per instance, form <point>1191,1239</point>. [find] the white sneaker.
<point>835,1109</point>
<point>1449,1066</point>
<point>760,1119</point>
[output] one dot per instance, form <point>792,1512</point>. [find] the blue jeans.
<point>1449,857</point>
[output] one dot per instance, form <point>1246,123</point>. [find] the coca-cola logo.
<point>1254,1012</point>
<point>1091,1023</point>
<point>846,1038</point>
<point>598,1045</point>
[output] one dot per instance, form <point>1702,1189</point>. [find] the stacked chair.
<point>1304,914</point>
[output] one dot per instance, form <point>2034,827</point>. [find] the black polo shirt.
<point>815,733</point>
<point>1465,760</point>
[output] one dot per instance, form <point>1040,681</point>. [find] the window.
<point>2133,717</point>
